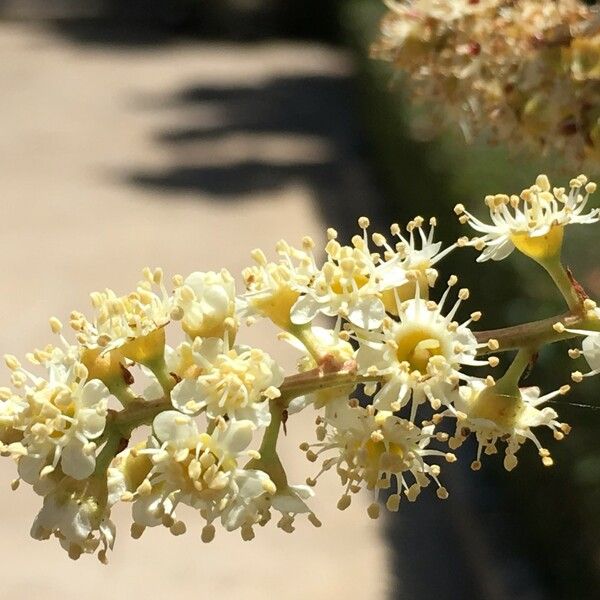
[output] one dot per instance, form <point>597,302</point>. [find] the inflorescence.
<point>197,408</point>
<point>522,72</point>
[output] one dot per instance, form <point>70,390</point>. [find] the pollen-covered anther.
<point>12,362</point>
<point>55,325</point>
<point>577,376</point>
<point>546,458</point>
<point>373,510</point>
<point>493,361</point>
<point>558,327</point>
<point>137,530</point>
<point>442,493</point>
<point>493,344</point>
<point>344,502</point>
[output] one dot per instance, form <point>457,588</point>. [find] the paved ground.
<point>91,193</point>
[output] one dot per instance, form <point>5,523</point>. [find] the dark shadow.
<point>141,23</point>
<point>319,107</point>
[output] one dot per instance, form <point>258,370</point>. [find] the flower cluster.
<point>210,409</point>
<point>522,72</point>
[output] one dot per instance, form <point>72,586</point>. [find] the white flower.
<point>409,262</point>
<point>78,514</point>
<point>378,450</point>
<point>236,382</point>
<point>360,285</point>
<point>63,416</point>
<point>419,355</point>
<point>493,417</point>
<point>207,301</point>
<point>344,287</point>
<point>590,346</point>
<point>188,467</point>
<point>273,288</point>
<point>533,222</point>
<point>134,322</point>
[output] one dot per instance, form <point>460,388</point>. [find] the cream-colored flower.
<point>532,222</point>
<point>273,288</point>
<point>58,418</point>
<point>520,72</point>
<point>492,417</point>
<point>376,450</point>
<point>207,301</point>
<point>590,345</point>
<point>188,467</point>
<point>134,323</point>
<point>252,505</point>
<point>419,355</point>
<point>78,515</point>
<point>345,286</point>
<point>237,382</point>
<point>417,253</point>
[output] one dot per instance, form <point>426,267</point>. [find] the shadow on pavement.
<point>317,107</point>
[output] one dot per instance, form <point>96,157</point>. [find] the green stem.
<point>509,382</point>
<point>142,413</point>
<point>269,461</point>
<point>305,335</point>
<point>161,371</point>
<point>315,380</point>
<point>559,275</point>
<point>122,392</point>
<point>268,446</point>
<point>109,451</point>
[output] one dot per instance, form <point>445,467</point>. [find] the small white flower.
<point>58,418</point>
<point>192,468</point>
<point>236,382</point>
<point>273,288</point>
<point>494,417</point>
<point>128,321</point>
<point>409,261</point>
<point>378,450</point>
<point>78,514</point>
<point>344,287</point>
<point>532,222</point>
<point>206,300</point>
<point>419,355</point>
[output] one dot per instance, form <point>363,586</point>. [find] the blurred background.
<point>183,133</point>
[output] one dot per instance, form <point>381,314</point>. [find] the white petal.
<point>237,436</point>
<point>172,426</point>
<point>75,462</point>
<point>304,310</point>
<point>94,393</point>
<point>368,313</point>
<point>185,391</point>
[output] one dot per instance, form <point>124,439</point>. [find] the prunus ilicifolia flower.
<point>520,72</point>
<point>204,430</point>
